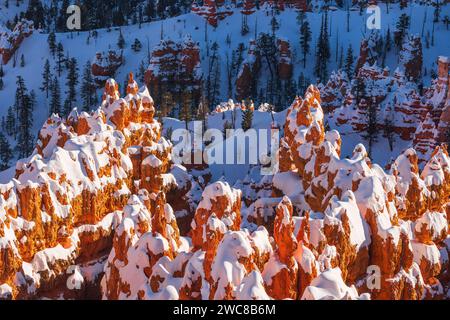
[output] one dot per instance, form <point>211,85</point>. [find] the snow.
<point>427,252</point>
<point>359,229</point>
<point>252,287</point>
<point>436,222</point>
<point>226,268</point>
<point>177,28</point>
<point>216,190</point>
<point>330,286</point>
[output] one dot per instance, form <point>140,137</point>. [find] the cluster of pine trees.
<point>18,125</point>
<point>52,15</point>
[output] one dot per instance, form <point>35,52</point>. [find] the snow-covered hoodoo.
<point>90,214</point>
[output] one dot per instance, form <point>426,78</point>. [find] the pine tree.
<point>402,26</point>
<point>22,61</point>
<point>371,126</point>
<point>10,125</point>
<point>141,72</point>
<point>213,79</point>
<point>59,58</point>
<point>87,88</point>
<point>24,109</point>
<point>359,89</point>
<point>47,78</point>
<point>389,131</point>
<point>349,62</point>
<point>2,73</point>
<point>136,46</point>
<point>55,102</point>
<point>247,119</point>
<point>51,40</point>
<point>72,81</point>
<point>186,110</point>
<point>305,38</point>
<point>121,40</point>
<point>5,152</point>
<point>323,53</point>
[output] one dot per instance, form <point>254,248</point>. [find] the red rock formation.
<point>105,65</point>
<point>425,138</point>
<point>11,40</point>
<point>212,10</point>
<point>410,58</point>
<point>249,69</point>
<point>280,273</point>
<point>285,66</point>
<point>174,66</point>
<point>222,200</point>
<point>334,92</point>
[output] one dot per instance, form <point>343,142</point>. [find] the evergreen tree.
<point>47,78</point>
<point>402,27</point>
<point>141,72</point>
<point>305,38</point>
<point>371,124</point>
<point>320,55</point>
<point>72,81</point>
<point>55,102</point>
<point>349,62</point>
<point>5,152</point>
<point>213,79</point>
<point>136,46</point>
<point>121,40</point>
<point>389,131</point>
<point>359,89</point>
<point>247,119</point>
<point>2,73</point>
<point>22,61</point>
<point>36,13</point>
<point>51,40</point>
<point>186,110</point>
<point>24,109</point>
<point>10,125</point>
<point>87,88</point>
<point>59,58</point>
<point>166,104</point>
<point>268,50</point>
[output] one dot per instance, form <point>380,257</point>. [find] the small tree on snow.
<point>247,119</point>
<point>6,153</point>
<point>47,78</point>
<point>51,40</point>
<point>55,95</point>
<point>349,63</point>
<point>121,41</point>
<point>87,88</point>
<point>136,46</point>
<point>72,81</point>
<point>305,38</point>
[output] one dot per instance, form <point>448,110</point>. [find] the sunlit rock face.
<point>99,210</point>
<point>10,40</point>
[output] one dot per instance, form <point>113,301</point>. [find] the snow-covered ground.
<point>36,51</point>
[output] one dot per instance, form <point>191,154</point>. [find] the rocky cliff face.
<point>213,11</point>
<point>414,113</point>
<point>11,40</point>
<point>89,215</point>
<point>105,65</point>
<point>175,65</point>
